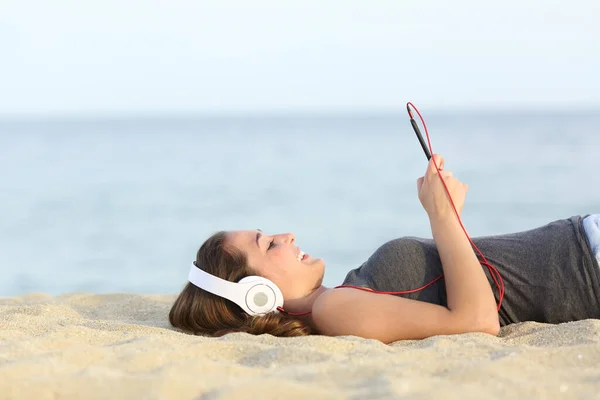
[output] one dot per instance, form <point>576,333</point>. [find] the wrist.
<point>442,217</point>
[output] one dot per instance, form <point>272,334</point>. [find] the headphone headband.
<point>254,294</point>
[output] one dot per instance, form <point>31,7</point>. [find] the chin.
<point>321,264</point>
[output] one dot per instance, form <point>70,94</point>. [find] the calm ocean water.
<point>122,205</point>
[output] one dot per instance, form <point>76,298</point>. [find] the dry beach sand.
<point>121,346</point>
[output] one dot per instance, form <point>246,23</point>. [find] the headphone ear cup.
<point>262,295</point>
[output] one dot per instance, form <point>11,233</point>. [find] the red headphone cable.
<point>497,278</point>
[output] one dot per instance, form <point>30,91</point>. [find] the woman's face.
<point>277,258</point>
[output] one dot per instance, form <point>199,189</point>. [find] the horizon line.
<point>291,113</point>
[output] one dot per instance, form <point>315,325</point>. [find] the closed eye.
<point>271,244</point>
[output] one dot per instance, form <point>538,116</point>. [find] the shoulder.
<point>352,311</point>
<point>332,308</point>
<point>324,300</point>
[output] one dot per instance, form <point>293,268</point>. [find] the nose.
<point>289,237</point>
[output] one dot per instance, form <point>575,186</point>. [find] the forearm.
<point>469,294</point>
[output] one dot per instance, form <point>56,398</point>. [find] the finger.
<point>420,183</point>
<point>435,159</point>
<point>438,160</point>
<point>446,174</point>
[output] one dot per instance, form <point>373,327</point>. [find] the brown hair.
<point>202,313</point>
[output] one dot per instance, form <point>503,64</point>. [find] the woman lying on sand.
<point>551,274</point>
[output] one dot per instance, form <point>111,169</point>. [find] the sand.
<point>90,346</point>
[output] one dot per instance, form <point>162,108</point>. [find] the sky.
<point>112,57</point>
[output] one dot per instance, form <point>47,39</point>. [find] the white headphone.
<point>255,294</point>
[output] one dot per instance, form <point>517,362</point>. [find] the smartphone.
<point>420,137</point>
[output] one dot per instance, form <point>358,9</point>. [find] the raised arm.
<point>471,304</point>
<point>468,290</point>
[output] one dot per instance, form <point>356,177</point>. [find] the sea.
<point>122,204</point>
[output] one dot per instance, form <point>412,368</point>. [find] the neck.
<point>304,304</point>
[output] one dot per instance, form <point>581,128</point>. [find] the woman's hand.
<point>432,194</point>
